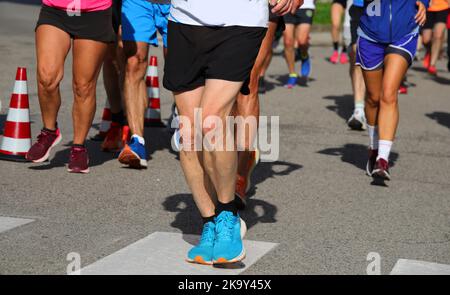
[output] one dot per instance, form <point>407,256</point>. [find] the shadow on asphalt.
<point>355,154</point>
<point>282,79</point>
<point>188,219</point>
<point>343,105</point>
<point>440,117</point>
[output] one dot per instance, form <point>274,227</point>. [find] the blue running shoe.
<point>203,252</point>
<point>292,81</point>
<point>134,154</point>
<point>306,67</point>
<point>228,246</point>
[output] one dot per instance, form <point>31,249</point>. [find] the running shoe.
<point>176,146</point>
<point>426,60</point>
<point>243,183</point>
<point>373,154</point>
<point>79,160</point>
<point>432,70</point>
<point>40,150</point>
<point>381,170</point>
<point>306,67</point>
<point>203,252</point>
<point>334,57</point>
<point>357,121</point>
<point>292,81</point>
<point>262,85</point>
<point>403,89</point>
<point>343,58</point>
<point>113,141</point>
<point>134,154</point>
<point>228,245</point>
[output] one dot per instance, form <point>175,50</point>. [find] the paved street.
<point>314,211</point>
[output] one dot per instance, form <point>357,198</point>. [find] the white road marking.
<point>164,253</point>
<point>7,223</point>
<point>416,267</point>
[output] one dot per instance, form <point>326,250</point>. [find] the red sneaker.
<point>381,170</point>
<point>403,89</point>
<point>40,150</point>
<point>432,70</point>
<point>113,141</point>
<point>334,57</point>
<point>344,58</point>
<point>79,160</point>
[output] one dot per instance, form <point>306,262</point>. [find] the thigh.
<point>88,56</point>
<point>438,30</point>
<point>302,32</point>
<point>337,9</point>
<point>52,47</point>
<point>374,83</point>
<point>288,34</point>
<point>395,67</point>
<point>219,97</point>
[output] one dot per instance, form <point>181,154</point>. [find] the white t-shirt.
<point>308,4</point>
<point>247,13</point>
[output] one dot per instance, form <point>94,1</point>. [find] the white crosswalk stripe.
<point>7,223</point>
<point>416,267</point>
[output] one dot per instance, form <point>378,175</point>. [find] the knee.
<point>49,79</point>
<point>136,66</point>
<point>288,42</point>
<point>372,100</point>
<point>303,42</point>
<point>389,96</point>
<point>83,89</point>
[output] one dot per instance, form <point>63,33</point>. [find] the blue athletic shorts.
<point>370,55</point>
<point>141,20</point>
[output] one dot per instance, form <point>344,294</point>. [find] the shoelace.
<point>224,226</point>
<point>207,234</point>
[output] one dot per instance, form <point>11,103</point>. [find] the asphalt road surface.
<point>315,204</point>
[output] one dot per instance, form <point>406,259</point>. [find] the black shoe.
<point>373,154</point>
<point>262,85</point>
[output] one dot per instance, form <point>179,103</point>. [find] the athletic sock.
<point>336,46</point>
<point>373,137</point>
<point>140,139</point>
<point>304,55</point>
<point>51,130</point>
<point>384,149</point>
<point>79,145</point>
<point>294,75</point>
<point>359,107</point>
<point>230,207</point>
<point>344,49</point>
<point>118,118</point>
<point>208,219</point>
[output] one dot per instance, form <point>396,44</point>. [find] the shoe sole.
<point>47,155</point>
<point>85,171</point>
<point>368,172</point>
<point>356,125</point>
<point>128,157</point>
<point>381,174</point>
<point>239,258</point>
<point>199,260</point>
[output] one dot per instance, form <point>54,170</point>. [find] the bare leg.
<point>135,95</point>
<point>52,47</point>
<point>395,69</point>
<point>374,84</point>
<point>437,42</point>
<point>289,51</point>
<point>88,57</point>
<point>218,99</point>
<point>111,72</point>
<point>359,88</point>
<point>336,15</point>
<point>192,160</point>
<point>302,37</point>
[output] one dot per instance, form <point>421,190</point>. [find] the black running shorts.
<point>95,25</point>
<point>197,53</point>
<point>434,17</point>
<point>342,2</point>
<point>302,16</point>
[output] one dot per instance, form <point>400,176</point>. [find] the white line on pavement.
<point>416,267</point>
<point>7,223</point>
<point>164,253</point>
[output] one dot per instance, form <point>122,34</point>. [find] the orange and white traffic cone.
<point>105,124</point>
<point>17,132</point>
<point>153,112</point>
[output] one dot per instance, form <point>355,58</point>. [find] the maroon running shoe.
<point>40,150</point>
<point>373,154</point>
<point>381,170</point>
<point>79,160</point>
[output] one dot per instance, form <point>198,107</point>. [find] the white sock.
<point>359,109</point>
<point>384,149</point>
<point>373,137</point>
<point>139,138</point>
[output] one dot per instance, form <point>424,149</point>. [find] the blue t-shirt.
<point>358,3</point>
